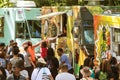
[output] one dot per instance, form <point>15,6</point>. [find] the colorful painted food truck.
<point>107,34</point>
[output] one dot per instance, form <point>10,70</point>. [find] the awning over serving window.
<point>50,15</point>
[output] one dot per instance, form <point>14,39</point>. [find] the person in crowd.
<point>23,72</point>
<point>114,67</point>
<point>108,53</point>
<point>43,49</point>
<point>15,44</point>
<point>2,57</point>
<point>3,74</point>
<point>9,47</point>
<point>87,64</point>
<point>86,72</point>
<point>16,74</point>
<point>44,46</point>
<point>64,59</point>
<point>15,58</point>
<point>105,72</point>
<point>96,66</point>
<point>3,46</point>
<point>52,62</point>
<point>41,72</point>
<point>31,51</point>
<point>118,64</point>
<point>19,54</point>
<point>27,61</point>
<point>9,68</point>
<point>64,75</point>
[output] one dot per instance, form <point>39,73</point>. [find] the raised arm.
<point>37,44</point>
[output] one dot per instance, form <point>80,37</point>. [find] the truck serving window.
<point>116,35</point>
<point>31,28</point>
<point>35,28</point>
<point>89,36</point>
<point>1,26</point>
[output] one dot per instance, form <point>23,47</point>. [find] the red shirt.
<point>43,52</point>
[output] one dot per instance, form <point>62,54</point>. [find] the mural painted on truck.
<point>103,25</point>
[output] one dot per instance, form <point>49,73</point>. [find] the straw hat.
<point>41,60</point>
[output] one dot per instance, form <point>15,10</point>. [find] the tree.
<point>40,3</point>
<point>5,3</point>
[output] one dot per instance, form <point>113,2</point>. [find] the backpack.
<point>103,76</point>
<point>45,76</point>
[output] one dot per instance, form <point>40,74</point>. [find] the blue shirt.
<point>2,62</point>
<point>65,59</point>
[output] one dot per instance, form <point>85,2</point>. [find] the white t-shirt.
<point>65,76</point>
<point>24,73</point>
<point>37,73</point>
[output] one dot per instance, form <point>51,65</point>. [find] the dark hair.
<point>87,62</point>
<point>20,64</point>
<point>11,41</point>
<point>105,66</point>
<point>25,48</point>
<point>91,64</point>
<point>15,50</point>
<point>2,54</point>
<point>3,72</point>
<point>113,61</point>
<point>50,52</point>
<point>44,44</point>
<point>29,43</point>
<point>60,49</point>
<point>2,44</point>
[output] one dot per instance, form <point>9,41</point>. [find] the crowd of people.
<point>16,64</point>
<point>23,65</point>
<point>104,69</point>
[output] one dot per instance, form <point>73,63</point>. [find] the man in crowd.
<point>64,75</point>
<point>64,60</point>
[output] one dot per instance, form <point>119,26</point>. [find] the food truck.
<point>20,24</point>
<point>75,26</point>
<point>107,34</point>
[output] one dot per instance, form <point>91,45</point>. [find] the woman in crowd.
<point>87,63</point>
<point>105,72</point>
<point>52,62</point>
<point>27,61</point>
<point>86,72</point>
<point>43,49</point>
<point>16,74</point>
<point>3,74</point>
<point>114,67</point>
